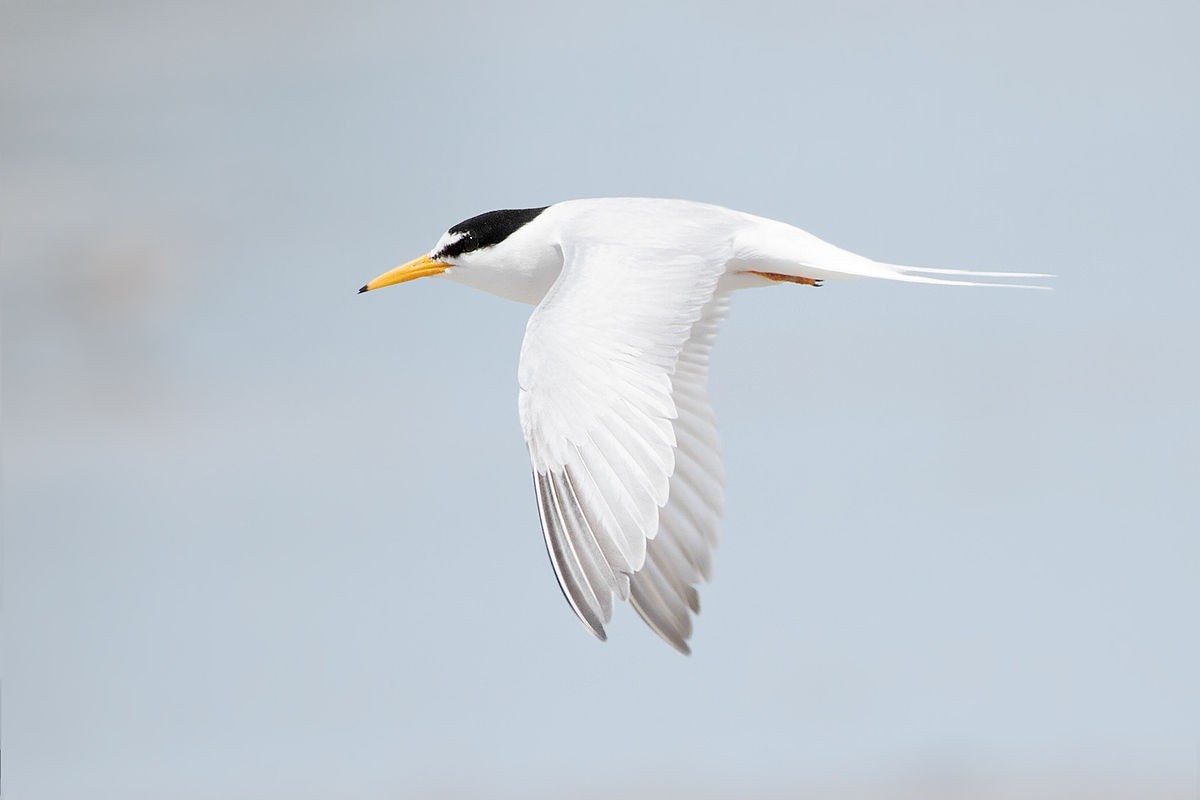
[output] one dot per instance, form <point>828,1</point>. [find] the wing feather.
<point>622,551</point>
<point>601,582</point>
<point>661,609</point>
<point>567,568</point>
<point>681,554</point>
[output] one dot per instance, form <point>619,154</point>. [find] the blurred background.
<point>266,538</point>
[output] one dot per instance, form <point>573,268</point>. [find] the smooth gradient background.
<point>266,538</point>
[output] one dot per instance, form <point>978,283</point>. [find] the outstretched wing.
<point>613,410</point>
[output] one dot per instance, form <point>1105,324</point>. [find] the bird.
<point>628,294</point>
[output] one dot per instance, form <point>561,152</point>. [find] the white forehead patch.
<point>447,239</point>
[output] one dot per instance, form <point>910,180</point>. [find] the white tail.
<point>776,247</point>
<point>903,273</point>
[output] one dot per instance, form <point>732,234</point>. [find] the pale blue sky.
<point>266,538</point>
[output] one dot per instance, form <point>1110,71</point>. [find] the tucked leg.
<point>775,276</point>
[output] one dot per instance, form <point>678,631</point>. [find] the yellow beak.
<point>417,268</point>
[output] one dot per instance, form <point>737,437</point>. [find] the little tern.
<point>613,401</point>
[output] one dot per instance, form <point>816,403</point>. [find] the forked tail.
<point>921,275</point>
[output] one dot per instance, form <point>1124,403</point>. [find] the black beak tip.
<point>363,289</point>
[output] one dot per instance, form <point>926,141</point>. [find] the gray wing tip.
<point>655,615</point>
<point>572,581</point>
<point>597,631</point>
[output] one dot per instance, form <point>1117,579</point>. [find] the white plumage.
<point>613,403</point>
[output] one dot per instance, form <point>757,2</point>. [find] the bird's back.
<point>747,244</point>
<point>655,225</point>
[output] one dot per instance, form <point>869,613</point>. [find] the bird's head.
<point>499,252</point>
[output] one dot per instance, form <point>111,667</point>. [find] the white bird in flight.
<point>629,293</point>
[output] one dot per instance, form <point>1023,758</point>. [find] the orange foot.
<point>775,276</point>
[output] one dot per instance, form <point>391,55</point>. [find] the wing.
<point>603,418</point>
<point>680,556</point>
